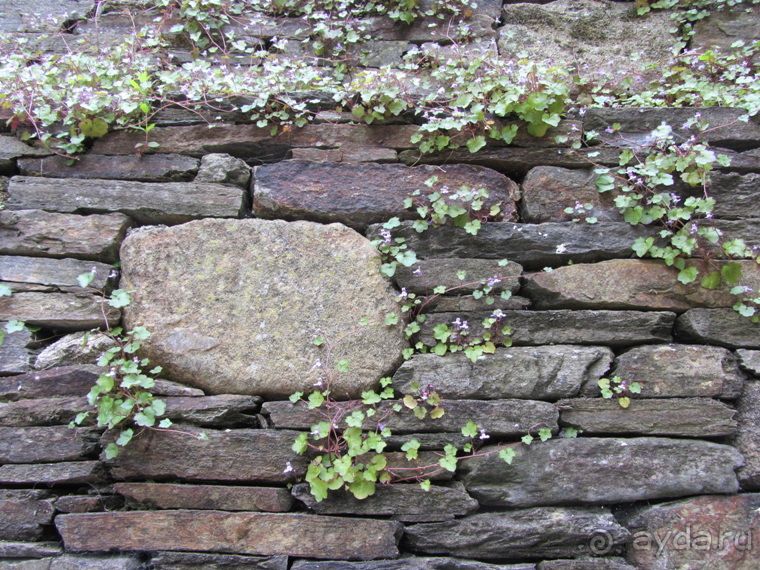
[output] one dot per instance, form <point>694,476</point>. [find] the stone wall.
<point>241,247</point>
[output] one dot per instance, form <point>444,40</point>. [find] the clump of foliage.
<point>618,388</point>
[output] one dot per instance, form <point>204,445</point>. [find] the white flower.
<point>561,248</point>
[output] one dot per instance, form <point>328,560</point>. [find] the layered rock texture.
<point>241,249</point>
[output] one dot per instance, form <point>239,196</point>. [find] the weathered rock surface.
<point>398,501</point>
<point>47,444</point>
<point>250,141</point>
<point>269,288</point>
<point>534,246</point>
<point>550,32</point>
<point>88,503</point>
<point>259,456</point>
<point>627,284</point>
<point>224,169</point>
<point>146,168</point>
<point>747,440</point>
<point>723,327</point>
<point>548,190</point>
<point>37,233</point>
<point>224,410</point>
<point>497,417</point>
<point>361,194</point>
<point>349,154</point>
<point>614,563</point>
<point>724,27</point>
<point>468,304</point>
<point>678,371</point>
<point>42,411</point>
<point>726,130</point>
<point>157,203</point>
<point>15,353</point>
<point>432,273</point>
<point>12,148</point>
<point>545,372</point>
<point>602,471</point>
<point>246,533</point>
<point>518,534</point>
<point>516,161</point>
<point>24,514</point>
<point>64,311</point>
<point>191,561</point>
<point>205,497</point>
<point>54,272</point>
<point>75,348</point>
<point>702,532</point>
<point>608,328</point>
<point>736,195</point>
<point>10,549</point>
<point>409,563</point>
<point>688,417</point>
<point>745,229</point>
<point>749,360</point>
<point>64,381</point>
<point>68,473</point>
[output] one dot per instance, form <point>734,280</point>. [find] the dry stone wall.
<point>240,247</point>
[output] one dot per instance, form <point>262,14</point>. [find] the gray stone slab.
<point>158,203</point>
<point>68,473</point>
<point>24,514</point>
<point>15,353</point>
<point>146,168</point>
<point>602,471</point>
<point>723,327</point>
<point>55,272</point>
<point>47,444</point>
<point>749,360</point>
<point>65,311</point>
<point>543,372</point>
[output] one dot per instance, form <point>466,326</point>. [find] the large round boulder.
<point>234,306</point>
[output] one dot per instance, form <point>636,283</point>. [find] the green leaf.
<point>300,445</point>
<point>111,451</point>
<point>624,402</point>
<point>711,280</point>
<point>449,463</point>
<point>437,413</point>
<point>84,279</point>
<point>318,340</point>
<point>5,290</point>
<point>425,485</point>
<point>295,396</point>
<point>544,433</point>
<point>391,319</point>
<point>407,258</point>
<point>507,454</point>
<point>119,298</point>
<point>125,437</point>
<point>476,143</point>
<point>343,366</point>
<point>13,326</point>
<point>315,400</point>
<point>165,423</point>
<point>688,275</point>
<point>470,429</point>
<point>527,439</point>
<point>362,488</point>
<point>411,449</point>
<point>731,272</point>
<point>94,128</point>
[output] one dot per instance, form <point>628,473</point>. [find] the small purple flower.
<point>417,271</point>
<point>483,435</point>
<point>493,281</point>
<point>289,467</point>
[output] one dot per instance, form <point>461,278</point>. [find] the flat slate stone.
<point>224,410</point>
<point>517,161</point>
<point>519,534</point>
<point>42,411</point>
<point>47,444</point>
<point>541,373</point>
<point>548,190</point>
<point>534,246</point>
<point>45,234</point>
<point>723,327</point>
<point>68,473</point>
<point>10,549</point>
<point>88,503</point>
<point>63,381</point>
<point>397,501</point>
<point>726,130</point>
<point>349,154</point>
<point>724,27</point>
<point>24,514</point>
<point>271,288</point>
<point>678,371</point>
<point>602,471</point>
<point>362,194</point>
<point>747,440</point>
<point>749,360</point>
<point>614,563</point>
<point>468,304</point>
<point>609,328</point>
<point>12,148</point>
<point>736,195</point>
<point>497,417</point>
<point>83,348</point>
<point>409,563</point>
<point>237,455</point>
<point>250,141</point>
<point>55,272</point>
<point>627,284</point>
<point>158,203</point>
<point>224,169</point>
<point>424,276</point>
<point>16,353</point>
<point>146,168</point>
<point>244,533</point>
<point>205,497</point>
<point>191,561</point>
<point>687,417</point>
<point>65,311</point>
<point>702,532</point>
